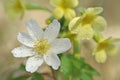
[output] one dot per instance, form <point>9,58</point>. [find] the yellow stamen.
<point>41,46</point>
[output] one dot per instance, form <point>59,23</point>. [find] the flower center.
<point>103,45</point>
<point>41,46</point>
<point>65,4</point>
<point>88,18</point>
<point>18,6</point>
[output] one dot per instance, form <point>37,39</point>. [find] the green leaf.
<point>76,68</point>
<point>22,67</point>
<point>77,78</point>
<point>66,77</point>
<point>77,62</point>
<point>37,76</point>
<point>10,76</point>
<point>85,77</point>
<point>94,72</point>
<point>91,70</point>
<point>21,78</point>
<point>66,66</point>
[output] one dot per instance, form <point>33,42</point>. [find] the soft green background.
<point>10,28</point>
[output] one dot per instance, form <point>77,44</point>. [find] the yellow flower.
<point>101,56</point>
<point>89,18</point>
<point>64,8</point>
<point>14,8</point>
<point>86,32</point>
<point>104,48</point>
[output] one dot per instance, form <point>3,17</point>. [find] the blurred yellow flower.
<point>14,8</point>
<point>91,19</point>
<point>100,56</point>
<point>64,8</point>
<point>104,47</point>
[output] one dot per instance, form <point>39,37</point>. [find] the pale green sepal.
<point>115,40</point>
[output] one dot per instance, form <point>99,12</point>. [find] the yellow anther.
<point>41,46</point>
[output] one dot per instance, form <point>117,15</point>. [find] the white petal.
<point>52,30</point>
<point>23,51</point>
<point>34,29</point>
<point>60,45</point>
<point>33,63</point>
<point>52,60</point>
<point>25,39</point>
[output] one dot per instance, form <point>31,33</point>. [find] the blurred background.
<point>10,28</point>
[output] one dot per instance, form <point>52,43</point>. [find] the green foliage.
<point>64,25</point>
<point>76,68</point>
<point>37,76</point>
<point>25,76</point>
<point>22,67</point>
<point>11,76</point>
<point>21,78</point>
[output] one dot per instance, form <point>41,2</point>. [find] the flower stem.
<point>76,47</point>
<point>97,36</point>
<point>53,73</point>
<point>33,6</point>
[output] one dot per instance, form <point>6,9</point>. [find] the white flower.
<point>41,45</point>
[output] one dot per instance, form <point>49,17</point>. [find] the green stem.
<point>32,6</point>
<point>116,40</point>
<point>97,36</point>
<point>65,26</point>
<point>76,47</point>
